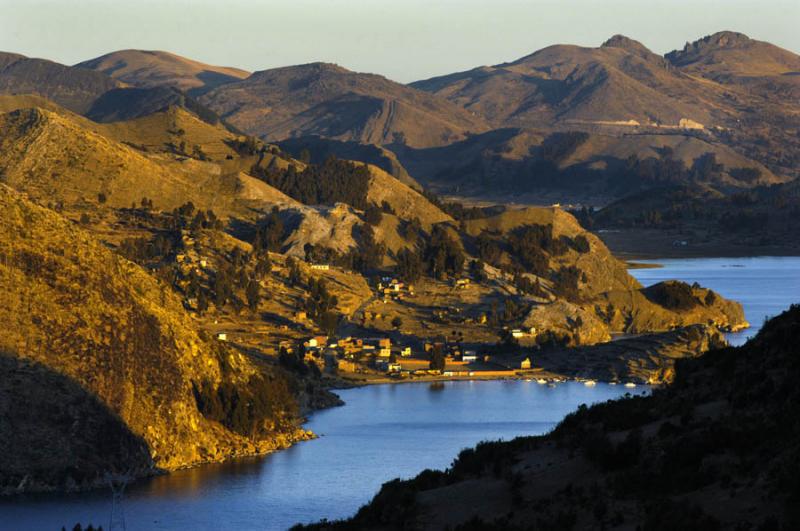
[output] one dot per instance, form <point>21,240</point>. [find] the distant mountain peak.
<point>636,48</point>
<point>723,39</point>
<point>626,43</point>
<point>155,68</point>
<point>733,53</point>
<point>710,43</point>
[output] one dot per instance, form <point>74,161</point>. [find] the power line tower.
<point>117,483</point>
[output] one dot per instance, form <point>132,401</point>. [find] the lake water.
<point>383,432</point>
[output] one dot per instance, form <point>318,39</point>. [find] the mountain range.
<point>726,90</point>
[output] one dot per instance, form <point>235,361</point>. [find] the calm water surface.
<point>384,432</point>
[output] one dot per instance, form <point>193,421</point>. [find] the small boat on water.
<point>589,383</point>
<point>630,384</point>
<point>541,381</point>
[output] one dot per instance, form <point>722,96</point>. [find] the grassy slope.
<point>121,346</point>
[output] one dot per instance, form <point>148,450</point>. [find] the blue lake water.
<point>383,432</point>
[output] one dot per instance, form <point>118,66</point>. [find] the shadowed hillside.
<point>73,88</point>
<point>520,164</point>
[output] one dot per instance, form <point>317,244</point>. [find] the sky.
<point>405,40</point>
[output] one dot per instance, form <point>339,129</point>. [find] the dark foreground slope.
<point>717,449</point>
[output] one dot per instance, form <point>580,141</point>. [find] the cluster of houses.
<point>392,288</point>
<point>352,354</point>
<point>456,355</point>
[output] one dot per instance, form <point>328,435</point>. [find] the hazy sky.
<point>404,40</point>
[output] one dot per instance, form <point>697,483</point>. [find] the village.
<point>364,359</point>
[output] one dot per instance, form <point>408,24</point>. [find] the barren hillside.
<point>328,100</point>
<point>147,69</point>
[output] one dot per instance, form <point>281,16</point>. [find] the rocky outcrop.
<point>647,359</point>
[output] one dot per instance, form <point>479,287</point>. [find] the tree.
<point>263,265</point>
<point>409,265</point>
<point>437,358</point>
<point>223,289</point>
<point>253,292</point>
<point>373,215</point>
<point>202,303</point>
<point>444,254</point>
<point>566,283</point>
<point>305,156</point>
<point>333,181</point>
<point>101,198</point>
<point>269,235</point>
<point>370,252</point>
<point>397,322</point>
<point>488,249</point>
<point>329,321</point>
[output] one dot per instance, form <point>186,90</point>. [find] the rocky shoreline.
<point>263,447</point>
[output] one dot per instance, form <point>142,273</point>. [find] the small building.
<point>300,316</point>
<point>222,336</point>
<point>321,340</point>
<point>345,366</point>
<point>469,356</point>
<point>525,364</point>
<point>203,263</point>
<point>406,352</point>
<point>385,352</point>
<point>385,342</point>
<point>517,333</point>
<point>394,367</point>
<point>462,283</point>
<point>320,267</point>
